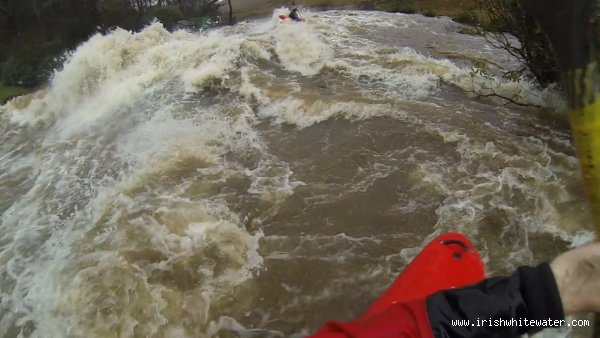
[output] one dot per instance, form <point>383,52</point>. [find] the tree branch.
<point>500,96</point>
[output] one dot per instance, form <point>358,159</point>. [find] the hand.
<point>577,274</point>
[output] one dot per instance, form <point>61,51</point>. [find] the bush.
<point>31,65</point>
<point>468,30</point>
<point>7,93</point>
<point>29,50</point>
<point>501,18</point>
<point>467,18</point>
<point>21,71</point>
<point>168,16</point>
<point>407,10</point>
<point>400,6</point>
<point>118,13</point>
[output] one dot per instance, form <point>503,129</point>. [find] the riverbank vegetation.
<point>498,21</point>
<point>452,8</point>
<point>34,34</point>
<point>8,92</point>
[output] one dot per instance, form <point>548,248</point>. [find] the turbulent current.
<point>258,180</point>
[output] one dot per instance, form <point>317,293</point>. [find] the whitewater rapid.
<point>258,180</point>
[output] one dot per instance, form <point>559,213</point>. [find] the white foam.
<point>300,48</point>
<point>81,258</point>
<point>143,144</point>
<point>303,114</point>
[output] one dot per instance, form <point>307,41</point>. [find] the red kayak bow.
<point>449,261</point>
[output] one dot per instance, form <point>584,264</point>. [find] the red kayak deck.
<point>449,261</point>
<point>284,17</point>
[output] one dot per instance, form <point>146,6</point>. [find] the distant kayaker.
<point>294,13</point>
<point>529,300</point>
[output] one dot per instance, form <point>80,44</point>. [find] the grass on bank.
<point>452,8</point>
<point>8,92</point>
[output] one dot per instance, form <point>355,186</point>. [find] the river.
<point>260,179</point>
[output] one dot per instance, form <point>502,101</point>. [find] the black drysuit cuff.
<point>525,302</point>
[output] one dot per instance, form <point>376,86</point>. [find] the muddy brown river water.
<point>258,180</point>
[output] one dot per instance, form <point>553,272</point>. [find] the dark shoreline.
<point>260,9</point>
<point>456,9</point>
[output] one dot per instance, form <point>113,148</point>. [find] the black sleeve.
<point>499,306</point>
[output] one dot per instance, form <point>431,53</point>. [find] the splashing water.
<point>258,180</point>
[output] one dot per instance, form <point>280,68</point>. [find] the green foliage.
<point>469,30</point>
<point>25,69</point>
<point>8,92</point>
<point>498,19</point>
<point>468,18</point>
<point>513,75</point>
<point>169,16</point>
<point>35,33</point>
<point>406,10</point>
<point>118,13</point>
<point>202,22</point>
<point>401,6</point>
<point>482,66</point>
<point>32,62</point>
<point>16,71</point>
<point>483,72</point>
